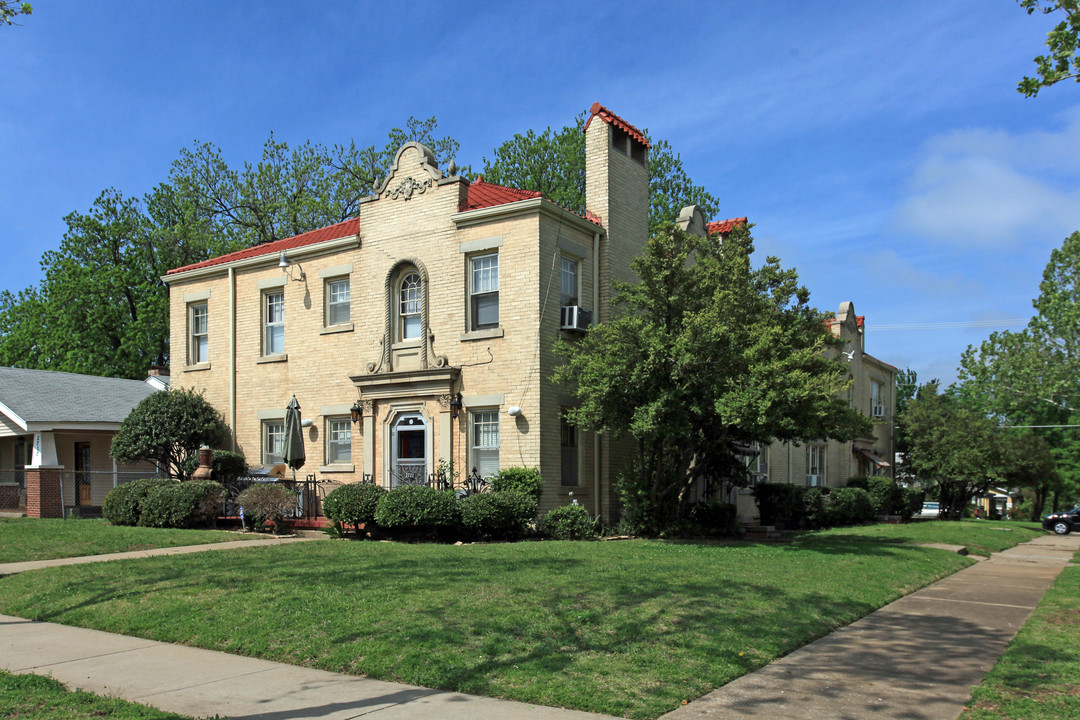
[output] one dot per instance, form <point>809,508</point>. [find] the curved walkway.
<point>914,659</point>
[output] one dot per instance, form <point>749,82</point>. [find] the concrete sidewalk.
<point>18,567</point>
<point>915,659</point>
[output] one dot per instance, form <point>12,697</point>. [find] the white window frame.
<point>483,285</point>
<point>480,422</point>
<point>569,266</point>
<point>815,461</point>
<point>569,432</point>
<point>759,466</point>
<point>338,447</point>
<point>877,392</point>
<point>198,352</point>
<point>270,324</point>
<point>273,437</point>
<point>409,302</point>
<point>341,304</point>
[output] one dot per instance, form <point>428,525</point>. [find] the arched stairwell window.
<point>410,306</point>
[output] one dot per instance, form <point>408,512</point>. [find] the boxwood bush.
<point>353,504</point>
<point>519,479</point>
<point>498,515</point>
<point>419,512</point>
<point>181,504</point>
<point>123,504</point>
<point>569,522</point>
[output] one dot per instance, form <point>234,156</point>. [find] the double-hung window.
<point>337,301</point>
<point>338,441</point>
<point>273,444</point>
<point>568,281</point>
<point>274,323</point>
<point>568,442</point>
<point>484,291</point>
<point>410,305</point>
<point>815,465</point>
<point>199,339</point>
<point>485,442</point>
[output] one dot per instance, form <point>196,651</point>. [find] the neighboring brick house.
<point>439,287</point>
<point>56,430</point>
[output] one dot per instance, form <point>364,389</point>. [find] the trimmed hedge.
<point>526,481</point>
<point>849,506</point>
<point>228,466</point>
<point>353,504</point>
<point>569,522</point>
<point>181,505</point>
<point>498,515</point>
<point>779,504</point>
<point>123,504</point>
<point>419,512</point>
<point>886,495</point>
<point>264,502</point>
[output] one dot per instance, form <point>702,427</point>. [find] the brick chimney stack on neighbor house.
<point>617,190</point>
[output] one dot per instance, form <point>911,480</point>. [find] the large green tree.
<point>1028,463</point>
<point>1063,42</point>
<point>169,428</point>
<point>553,162</point>
<point>706,355</point>
<point>11,9</point>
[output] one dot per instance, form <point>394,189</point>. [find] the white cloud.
<point>989,189</point>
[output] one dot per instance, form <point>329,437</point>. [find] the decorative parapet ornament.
<point>407,187</point>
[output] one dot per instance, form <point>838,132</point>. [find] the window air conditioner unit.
<point>879,411</point>
<point>813,480</point>
<point>572,317</point>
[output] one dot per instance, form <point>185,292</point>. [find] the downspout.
<point>232,358</point>
<point>596,309</point>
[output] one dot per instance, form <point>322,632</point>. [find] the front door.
<point>409,462</point>
<point>82,474</point>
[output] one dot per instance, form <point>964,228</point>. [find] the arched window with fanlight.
<point>410,306</point>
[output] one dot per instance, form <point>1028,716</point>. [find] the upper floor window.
<point>199,339</point>
<point>273,445</point>
<point>410,305</point>
<point>274,323</point>
<point>338,441</point>
<point>877,398</point>
<point>337,301</point>
<point>484,291</point>
<point>568,281</point>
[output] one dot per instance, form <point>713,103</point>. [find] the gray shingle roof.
<point>47,396</point>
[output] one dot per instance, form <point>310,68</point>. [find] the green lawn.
<point>33,697</point>
<point>981,537</point>
<point>628,628</point>
<point>1038,677</point>
<point>24,539</point>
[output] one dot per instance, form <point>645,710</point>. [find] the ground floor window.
<point>273,442</point>
<point>568,442</point>
<point>338,441</point>
<point>485,442</point>
<point>815,465</point>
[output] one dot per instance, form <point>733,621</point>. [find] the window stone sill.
<point>333,329</point>
<point>272,359</point>
<point>482,334</point>
<point>196,367</point>
<point>337,468</point>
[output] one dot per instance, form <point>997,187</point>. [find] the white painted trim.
<point>13,416</point>
<point>190,297</point>
<point>269,258</point>
<point>274,282</point>
<point>336,270</point>
<point>481,244</point>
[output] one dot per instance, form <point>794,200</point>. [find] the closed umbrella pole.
<point>293,453</point>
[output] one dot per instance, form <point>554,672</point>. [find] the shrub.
<point>886,495</point>
<point>228,465</point>
<point>209,495</point>
<point>814,513</point>
<point>353,504</point>
<point>849,506</point>
<point>569,522</point>
<point>712,518</point>
<point>123,504</point>
<point>498,515</point>
<point>858,481</point>
<point>913,499</point>
<point>181,505</point>
<point>526,481</point>
<point>419,512</point>
<point>642,512</point>
<point>779,504</point>
<point>265,502</point>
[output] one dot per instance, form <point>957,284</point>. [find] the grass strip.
<point>627,628</point>
<point>34,697</point>
<point>25,539</point>
<point>1038,677</point>
<point>981,537</point>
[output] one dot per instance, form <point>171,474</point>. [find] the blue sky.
<point>881,148</point>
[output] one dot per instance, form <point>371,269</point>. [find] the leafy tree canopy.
<point>1063,61</point>
<point>706,355</point>
<point>553,162</point>
<point>10,9</point>
<point>169,427</point>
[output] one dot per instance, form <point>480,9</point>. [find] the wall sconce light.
<point>283,263</point>
<point>514,411</point>
<point>455,406</point>
<point>356,412</point>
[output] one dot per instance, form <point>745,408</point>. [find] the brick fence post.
<point>43,492</point>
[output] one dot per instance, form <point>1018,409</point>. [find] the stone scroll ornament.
<point>407,187</point>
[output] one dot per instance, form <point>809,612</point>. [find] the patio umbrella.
<point>293,452</point>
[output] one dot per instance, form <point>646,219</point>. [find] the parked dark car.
<point>1063,523</point>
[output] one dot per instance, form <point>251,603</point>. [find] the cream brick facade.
<point>419,221</point>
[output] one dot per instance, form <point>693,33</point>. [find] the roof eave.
<point>296,252</point>
<point>521,207</point>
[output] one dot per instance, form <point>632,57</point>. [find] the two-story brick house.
<point>434,313</point>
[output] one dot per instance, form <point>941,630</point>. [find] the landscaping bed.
<point>25,539</point>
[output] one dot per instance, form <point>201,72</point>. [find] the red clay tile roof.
<point>724,226</point>
<point>484,194</point>
<point>332,232</point>
<point>598,110</point>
